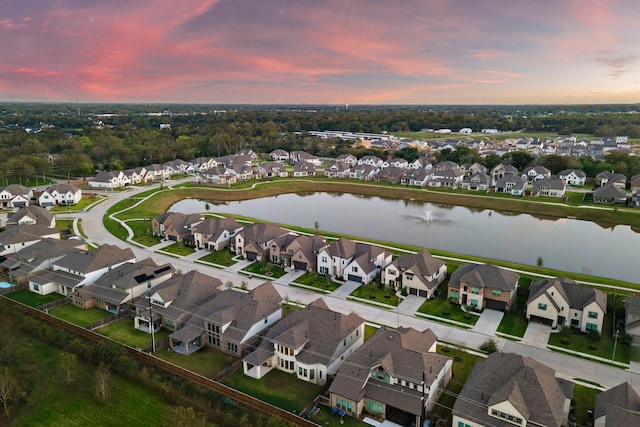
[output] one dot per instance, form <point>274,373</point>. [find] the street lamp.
<point>615,343</point>
<point>153,335</point>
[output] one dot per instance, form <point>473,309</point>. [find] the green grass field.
<point>32,299</point>
<point>179,249</point>
<point>123,331</point>
<point>382,296</point>
<point>142,233</point>
<point>79,316</point>
<point>265,268</point>
<point>311,278</point>
<point>207,361</point>
<point>223,257</point>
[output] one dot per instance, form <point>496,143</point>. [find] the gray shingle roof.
<point>484,276</point>
<point>103,256</point>
<point>577,296</point>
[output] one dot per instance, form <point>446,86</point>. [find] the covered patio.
<point>187,340</point>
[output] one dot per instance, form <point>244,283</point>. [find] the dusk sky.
<point>321,51</point>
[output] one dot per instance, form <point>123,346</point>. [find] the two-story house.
<point>574,177</point>
<point>349,260</point>
<point>561,301</point>
<point>420,274</point>
<point>254,240</point>
<point>481,286</point>
<point>215,233</point>
<point>60,194</point>
<point>311,343</point>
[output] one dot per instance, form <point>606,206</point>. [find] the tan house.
<point>396,375</point>
<point>561,301</point>
<point>310,343</point>
<point>215,233</point>
<point>298,252</point>
<point>254,241</point>
<point>632,318</point>
<point>481,286</point>
<point>174,226</point>
<point>509,389</point>
<point>616,407</point>
<point>419,273</point>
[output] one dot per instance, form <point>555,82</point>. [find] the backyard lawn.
<point>32,299</point>
<point>79,316</point>
<point>223,257</point>
<point>311,278</point>
<point>123,331</point>
<point>265,268</point>
<point>277,388</point>
<point>207,361</point>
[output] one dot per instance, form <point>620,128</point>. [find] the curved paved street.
<point>567,366</point>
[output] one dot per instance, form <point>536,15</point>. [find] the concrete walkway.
<point>345,289</point>
<point>488,322</point>
<point>411,304</point>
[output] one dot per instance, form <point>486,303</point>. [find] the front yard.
<point>123,331</point>
<point>265,268</point>
<point>142,232</point>
<point>178,249</point>
<point>441,307</point>
<point>514,321</point>
<point>277,388</point>
<point>222,257</point>
<point>373,292</point>
<point>311,278</point>
<point>577,341</point>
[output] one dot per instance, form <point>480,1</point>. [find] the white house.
<point>60,194</point>
<point>573,177</point>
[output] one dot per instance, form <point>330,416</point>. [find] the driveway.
<point>488,322</point>
<point>537,335</point>
<point>411,304</point>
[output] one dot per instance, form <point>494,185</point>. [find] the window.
<point>542,306</point>
<point>373,406</point>
<point>453,296</point>
<point>474,302</point>
<point>213,334</point>
<point>593,315</point>
<point>354,269</point>
<point>496,292</point>
<point>591,327</point>
<point>392,272</point>
<point>233,347</point>
<point>36,287</point>
<point>408,276</point>
<point>324,259</point>
<point>169,324</point>
<point>475,290</point>
<point>461,424</point>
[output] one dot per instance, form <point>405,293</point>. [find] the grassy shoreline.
<point>160,202</point>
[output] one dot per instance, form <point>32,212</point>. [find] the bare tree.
<point>69,364</point>
<point>8,388</point>
<point>103,382</point>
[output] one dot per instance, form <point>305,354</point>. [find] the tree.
<point>182,416</point>
<point>69,363</point>
<point>489,346</point>
<point>593,336</point>
<point>8,388</point>
<point>103,383</point>
<point>540,261</point>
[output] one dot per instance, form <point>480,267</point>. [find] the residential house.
<point>218,175</point>
<point>446,178</point>
<point>610,194</point>
<point>511,184</point>
<point>536,173</point>
<point>297,252</point>
<point>606,177</point>
<point>172,302</point>
<point>138,175</point>
<point>86,267</point>
<point>470,169</point>
<point>177,167</point>
<point>561,301</point>
<point>348,159</point>
<point>280,155</point>
<point>501,170</point>
<point>416,177</point>
<point>481,286</point>
<point>632,318</point>
<point>254,240</point>
<point>241,170</point>
<point>355,261</point>
<point>618,406</point>
<point>37,257</point>
<point>635,191</point>
<point>419,273</point>
<point>392,174</point>
<point>272,170</point>
<point>60,194</point>
<point>15,196</point>
<point>110,180</point>
<point>230,322</point>
<point>478,181</point>
<point>549,187</point>
<point>32,215</point>
<point>310,343</point>
<point>370,160</point>
<point>174,226</point>
<point>302,156</point>
<point>337,170</point>
<point>215,233</point>
<point>397,162</point>
<point>122,285</point>
<point>508,389</point>
<point>421,162</point>
<point>364,172</point>
<point>574,177</point>
<point>304,168</point>
<point>13,239</point>
<point>446,165</point>
<point>396,375</point>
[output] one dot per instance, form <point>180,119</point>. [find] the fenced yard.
<point>79,316</point>
<point>123,331</point>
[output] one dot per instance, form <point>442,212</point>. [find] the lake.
<point>563,244</point>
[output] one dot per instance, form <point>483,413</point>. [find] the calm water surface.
<point>564,244</point>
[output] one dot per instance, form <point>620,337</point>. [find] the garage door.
<point>423,293</point>
<point>252,256</point>
<point>299,265</point>
<point>495,305</point>
<point>173,238</point>
<point>542,320</point>
<point>354,278</point>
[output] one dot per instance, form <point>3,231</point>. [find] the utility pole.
<point>153,333</point>
<point>615,343</point>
